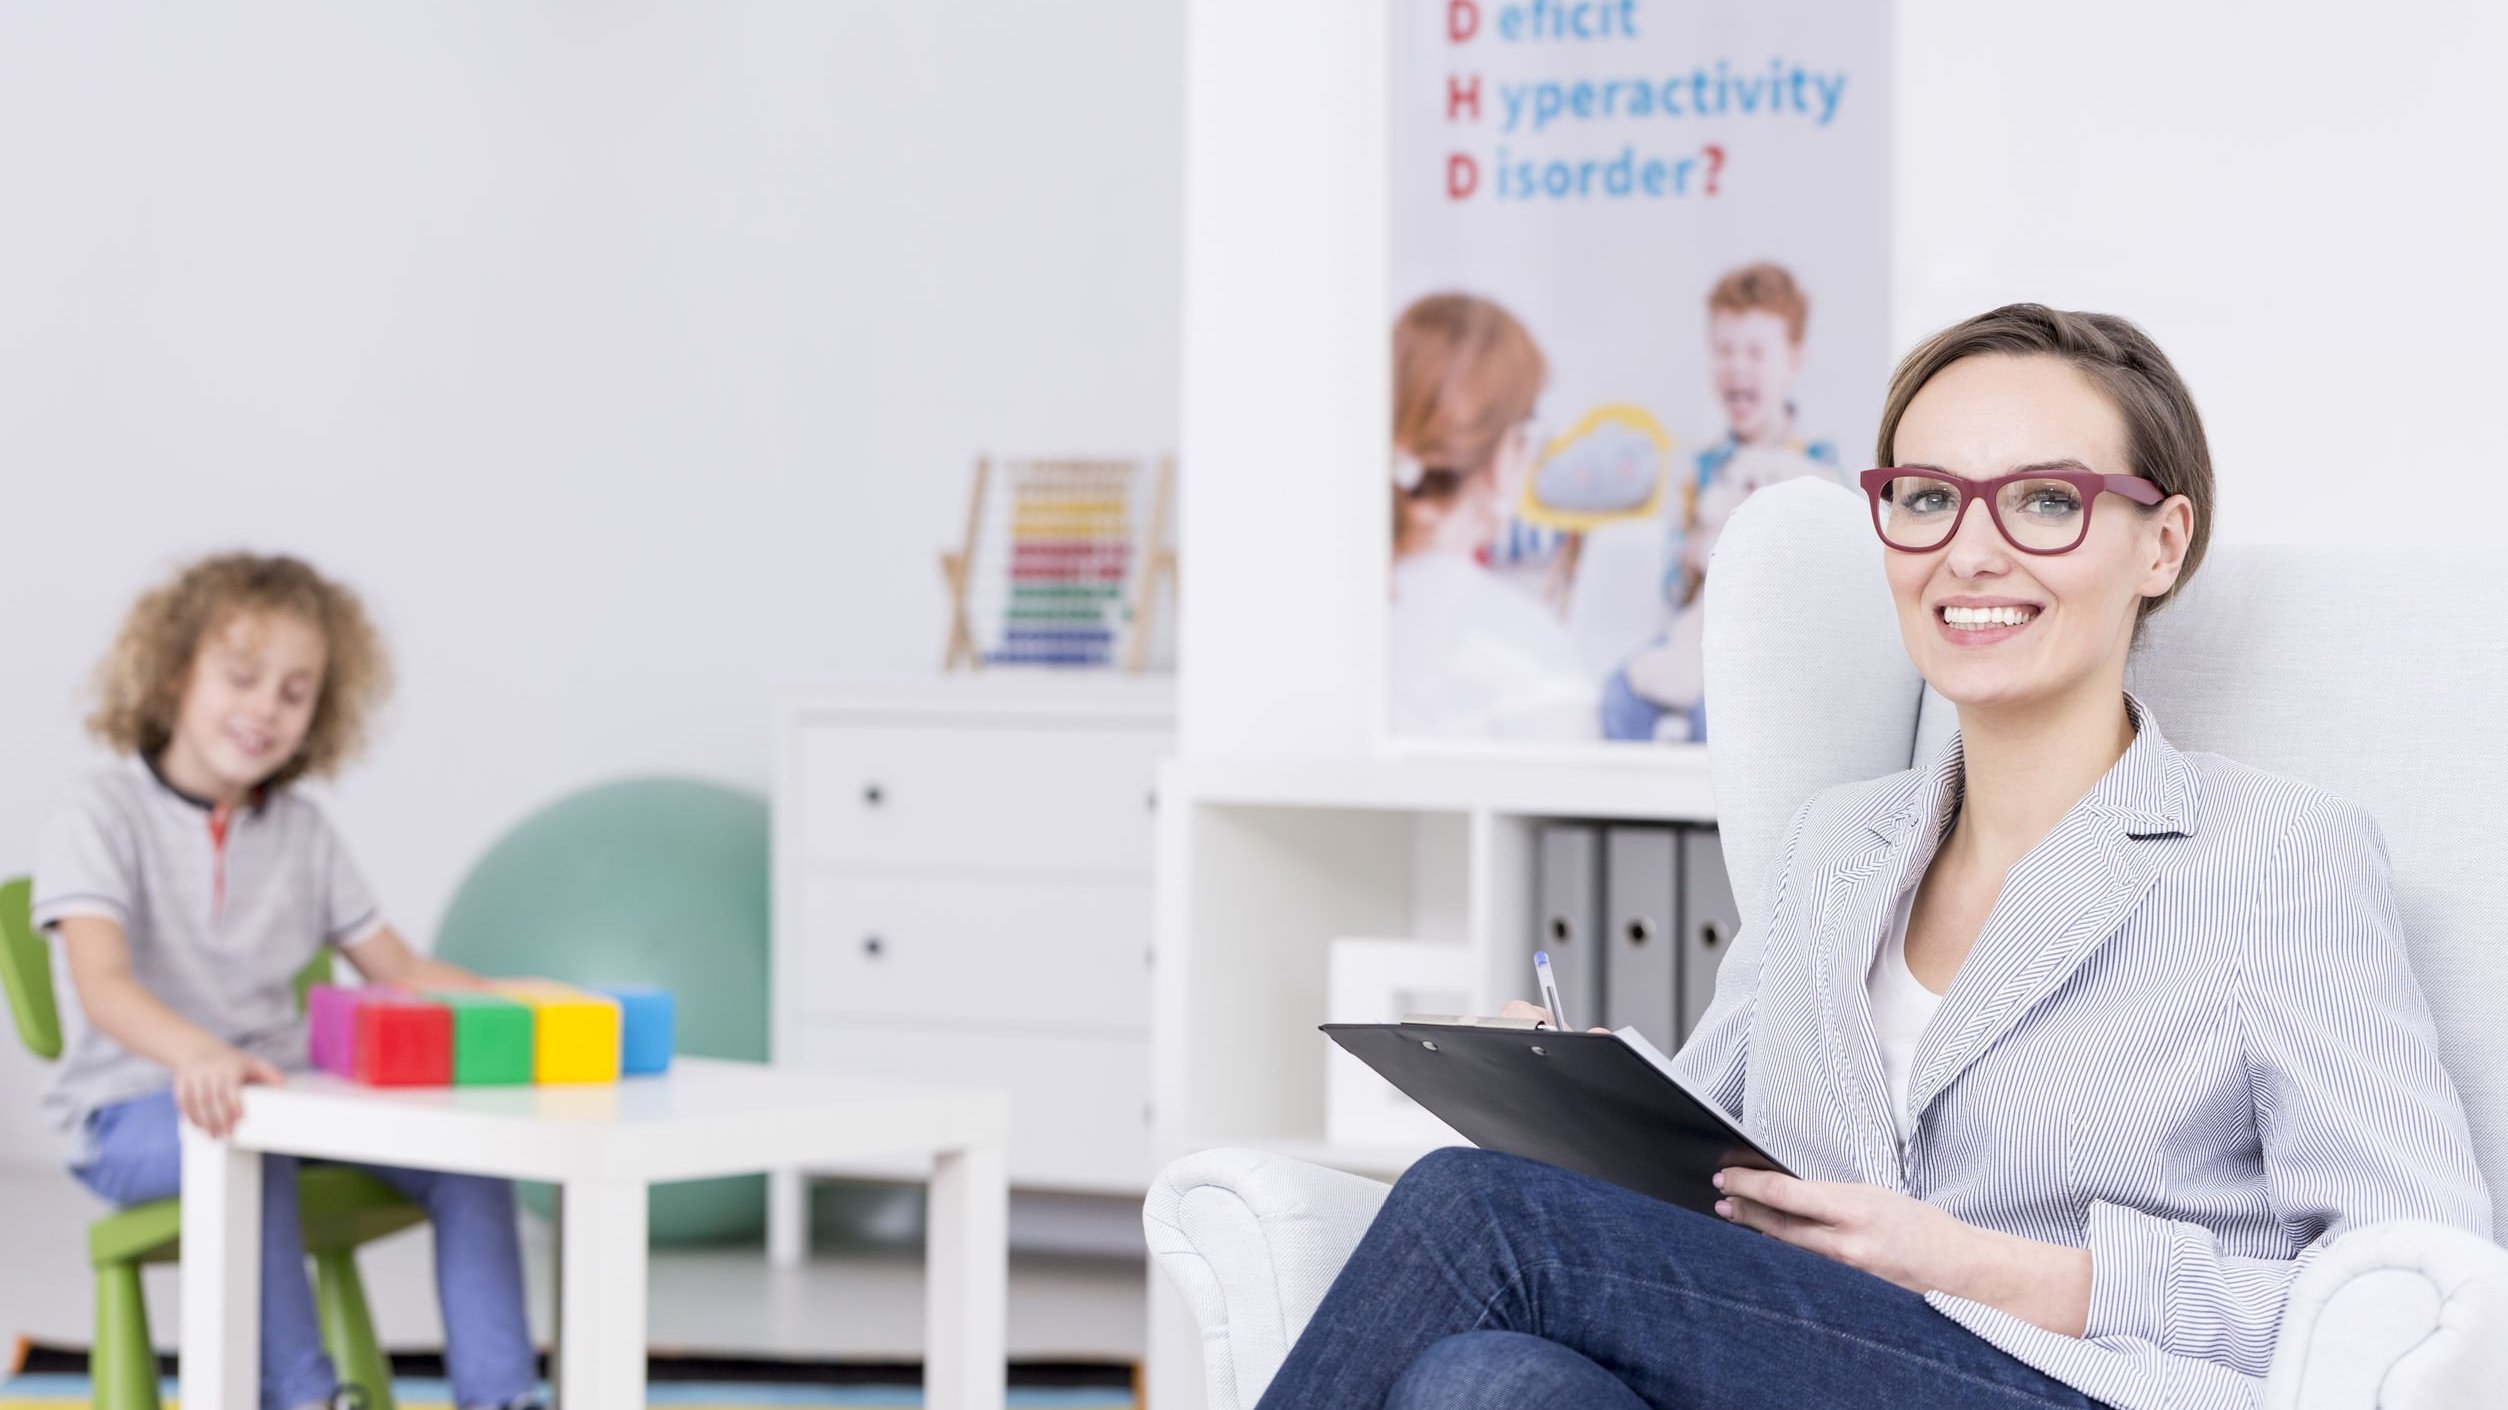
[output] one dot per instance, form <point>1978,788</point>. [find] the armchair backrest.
<point>2380,675</point>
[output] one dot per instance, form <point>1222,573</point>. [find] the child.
<point>1470,656</point>
<point>1755,320</point>
<point>190,884</point>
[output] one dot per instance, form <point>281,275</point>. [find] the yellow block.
<point>575,1035</point>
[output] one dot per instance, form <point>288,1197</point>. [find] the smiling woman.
<point>2082,1046</point>
<point>2046,416</point>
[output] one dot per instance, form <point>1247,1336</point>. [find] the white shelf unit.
<point>1263,862</point>
<point>962,896</point>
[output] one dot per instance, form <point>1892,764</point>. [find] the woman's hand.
<point>1517,1008</point>
<point>209,1089</point>
<point>1889,1235</point>
<point>1906,1241</point>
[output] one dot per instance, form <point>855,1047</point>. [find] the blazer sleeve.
<point>1716,1060</point>
<point>2358,1121</point>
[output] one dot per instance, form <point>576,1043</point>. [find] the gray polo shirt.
<point>221,911</point>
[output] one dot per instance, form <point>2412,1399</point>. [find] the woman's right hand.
<point>209,1089</point>
<point>1518,1008</point>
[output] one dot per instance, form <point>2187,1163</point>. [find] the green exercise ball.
<point>645,881</point>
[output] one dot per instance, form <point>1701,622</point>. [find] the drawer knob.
<point>873,795</point>
<point>873,946</point>
<point>1710,934</point>
<point>1640,930</point>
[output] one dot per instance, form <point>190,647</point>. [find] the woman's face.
<point>1992,415</point>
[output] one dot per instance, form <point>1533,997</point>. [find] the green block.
<point>491,1039</point>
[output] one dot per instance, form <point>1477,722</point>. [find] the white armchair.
<point>2379,675</point>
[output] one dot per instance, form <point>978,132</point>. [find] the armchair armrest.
<point>1253,1240</point>
<point>2405,1315</point>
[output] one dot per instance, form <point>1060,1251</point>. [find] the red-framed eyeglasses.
<point>2044,509</point>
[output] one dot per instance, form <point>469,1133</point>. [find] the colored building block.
<point>492,1038</point>
<point>402,1041</point>
<point>575,1032</point>
<point>331,1028</point>
<point>648,1017</point>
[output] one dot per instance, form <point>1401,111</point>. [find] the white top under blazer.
<point>1902,1008</point>
<point>2187,1039</point>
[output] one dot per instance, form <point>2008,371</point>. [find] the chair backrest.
<point>26,971</point>
<point>2380,675</point>
<point>26,968</point>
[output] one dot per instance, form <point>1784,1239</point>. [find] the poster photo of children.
<point>1594,367</point>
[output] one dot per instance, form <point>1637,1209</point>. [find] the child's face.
<point>1753,362</point>
<point>250,698</point>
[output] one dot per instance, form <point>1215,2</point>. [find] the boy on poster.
<point>1756,317</point>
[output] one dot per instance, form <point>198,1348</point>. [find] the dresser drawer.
<point>1079,1106</point>
<point>991,799</point>
<point>1023,951</point>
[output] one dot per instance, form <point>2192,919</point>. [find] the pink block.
<point>331,1027</point>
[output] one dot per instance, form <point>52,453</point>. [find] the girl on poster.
<point>1471,656</point>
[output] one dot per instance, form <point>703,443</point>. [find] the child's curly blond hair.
<point>140,683</point>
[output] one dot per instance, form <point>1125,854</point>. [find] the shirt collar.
<point>252,801</point>
<point>2150,790</point>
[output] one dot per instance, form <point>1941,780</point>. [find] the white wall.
<point>2303,201</point>
<point>630,357</point>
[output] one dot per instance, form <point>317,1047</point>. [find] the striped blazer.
<point>2187,1039</point>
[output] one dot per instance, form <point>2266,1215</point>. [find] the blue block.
<point>647,1016</point>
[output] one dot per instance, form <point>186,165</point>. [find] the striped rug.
<point>55,1391</point>
<point>51,1378</point>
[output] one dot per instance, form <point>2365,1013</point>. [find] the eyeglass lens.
<point>1918,512</point>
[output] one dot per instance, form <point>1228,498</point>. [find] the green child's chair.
<point>340,1210</point>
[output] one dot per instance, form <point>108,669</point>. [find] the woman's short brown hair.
<point>140,683</point>
<point>2163,432</point>
<point>1465,375</point>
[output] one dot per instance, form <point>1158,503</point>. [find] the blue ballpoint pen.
<point>1549,989</point>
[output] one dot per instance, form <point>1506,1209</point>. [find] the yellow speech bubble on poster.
<point>1611,465</point>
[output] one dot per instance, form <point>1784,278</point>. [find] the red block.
<point>403,1043</point>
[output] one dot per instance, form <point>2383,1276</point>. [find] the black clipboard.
<point>1588,1102</point>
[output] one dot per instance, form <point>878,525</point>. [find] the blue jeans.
<point>478,1259</point>
<point>1494,1283</point>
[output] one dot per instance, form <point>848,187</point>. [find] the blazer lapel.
<point>2059,904</point>
<point>1859,901</point>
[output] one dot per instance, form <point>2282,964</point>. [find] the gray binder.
<point>1641,927</point>
<point>1567,904</point>
<point>1709,918</point>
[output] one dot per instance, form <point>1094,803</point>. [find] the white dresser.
<point>962,895</point>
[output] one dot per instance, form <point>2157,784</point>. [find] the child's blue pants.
<point>478,1259</point>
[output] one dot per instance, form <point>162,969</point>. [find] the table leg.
<point>599,1363</point>
<point>221,1277</point>
<point>967,1279</point>
<point>787,1218</point>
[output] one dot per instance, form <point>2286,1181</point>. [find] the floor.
<point>852,1302</point>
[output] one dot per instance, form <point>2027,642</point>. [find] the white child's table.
<point>602,1145</point>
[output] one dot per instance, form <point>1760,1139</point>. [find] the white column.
<point>221,1277</point>
<point>787,1218</point>
<point>599,1363</point>
<point>967,1274</point>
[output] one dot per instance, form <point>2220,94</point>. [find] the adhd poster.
<point>1640,259</point>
